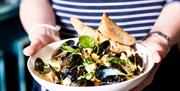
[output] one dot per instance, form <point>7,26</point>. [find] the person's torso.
<point>134,16</point>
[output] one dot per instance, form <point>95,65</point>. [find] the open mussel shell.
<point>59,52</point>
<point>69,42</point>
<point>71,62</point>
<point>40,66</point>
<point>118,66</point>
<point>138,62</point>
<point>109,75</point>
<point>56,62</point>
<point>104,47</point>
<point>70,67</point>
<point>66,56</point>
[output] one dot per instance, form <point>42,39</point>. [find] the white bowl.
<point>46,52</point>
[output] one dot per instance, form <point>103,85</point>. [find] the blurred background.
<point>13,70</point>
<point>14,75</point>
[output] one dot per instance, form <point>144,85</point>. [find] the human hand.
<point>154,45</point>
<point>40,38</point>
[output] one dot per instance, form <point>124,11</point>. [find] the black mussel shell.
<point>117,66</point>
<point>57,52</point>
<point>137,71</point>
<point>113,79</point>
<point>40,66</point>
<point>68,54</point>
<point>70,42</point>
<point>82,82</point>
<point>99,72</point>
<point>136,59</point>
<point>119,54</point>
<point>104,47</point>
<point>109,77</point>
<point>70,67</point>
<point>72,61</point>
<point>139,60</point>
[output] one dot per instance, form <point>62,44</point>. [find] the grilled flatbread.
<point>112,31</point>
<point>82,29</point>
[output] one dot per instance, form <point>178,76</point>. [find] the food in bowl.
<point>100,57</point>
<point>88,63</point>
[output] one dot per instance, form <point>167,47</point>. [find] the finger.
<point>156,57</point>
<point>32,48</point>
<point>56,38</point>
<point>157,54</point>
<point>38,43</point>
<point>46,39</point>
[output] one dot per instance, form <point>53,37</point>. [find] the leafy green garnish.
<point>87,41</point>
<point>114,60</point>
<point>87,76</point>
<point>69,48</point>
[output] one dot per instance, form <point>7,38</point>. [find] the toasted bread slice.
<point>112,31</point>
<point>82,29</point>
<point>117,47</point>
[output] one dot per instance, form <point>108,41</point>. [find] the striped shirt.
<point>134,16</point>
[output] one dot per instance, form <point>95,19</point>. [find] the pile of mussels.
<point>89,63</point>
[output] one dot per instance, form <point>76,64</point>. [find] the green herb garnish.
<point>87,41</point>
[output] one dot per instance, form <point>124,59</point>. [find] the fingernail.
<point>27,51</point>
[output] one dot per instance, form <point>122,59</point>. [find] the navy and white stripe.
<point>134,16</point>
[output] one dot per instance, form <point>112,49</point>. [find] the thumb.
<point>32,48</point>
<point>156,57</point>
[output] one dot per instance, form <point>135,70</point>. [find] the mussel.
<point>68,45</point>
<point>109,75</point>
<point>69,42</point>
<point>104,47</point>
<point>82,82</point>
<point>57,53</point>
<point>129,64</point>
<point>70,67</point>
<point>136,59</point>
<point>71,62</point>
<point>138,62</point>
<point>41,67</point>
